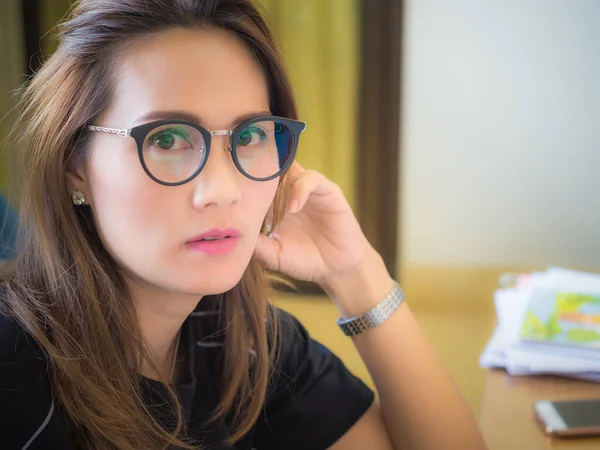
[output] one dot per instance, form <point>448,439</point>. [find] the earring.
<point>78,198</point>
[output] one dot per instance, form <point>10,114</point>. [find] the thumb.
<point>267,250</point>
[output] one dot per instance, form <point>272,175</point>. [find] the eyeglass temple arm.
<point>115,131</point>
<point>126,133</point>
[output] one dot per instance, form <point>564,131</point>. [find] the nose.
<point>218,183</point>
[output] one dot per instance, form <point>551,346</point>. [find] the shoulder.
<point>16,344</point>
<point>22,362</point>
<point>26,404</point>
<point>290,327</point>
<point>313,398</point>
<point>296,346</point>
<point>303,363</point>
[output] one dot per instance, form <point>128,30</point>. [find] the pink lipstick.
<point>215,242</point>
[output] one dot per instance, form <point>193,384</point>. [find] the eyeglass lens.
<point>174,152</point>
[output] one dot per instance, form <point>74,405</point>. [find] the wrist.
<point>357,291</point>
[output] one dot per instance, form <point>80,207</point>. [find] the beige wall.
<point>52,12</point>
<point>11,69</point>
<point>500,136</point>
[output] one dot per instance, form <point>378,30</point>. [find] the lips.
<point>216,234</point>
<point>215,242</point>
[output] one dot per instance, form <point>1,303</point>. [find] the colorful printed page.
<point>563,318</point>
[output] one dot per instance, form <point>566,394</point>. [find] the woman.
<point>158,142</point>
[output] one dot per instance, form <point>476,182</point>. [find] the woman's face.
<point>149,228</point>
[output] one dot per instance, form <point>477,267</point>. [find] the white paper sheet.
<point>507,350</point>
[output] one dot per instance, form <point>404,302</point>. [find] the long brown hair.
<point>64,287</point>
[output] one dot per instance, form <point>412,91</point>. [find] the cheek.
<point>126,202</point>
<point>114,165</point>
<point>258,198</point>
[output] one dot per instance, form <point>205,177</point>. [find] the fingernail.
<point>293,207</point>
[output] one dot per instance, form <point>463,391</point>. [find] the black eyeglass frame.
<point>141,132</point>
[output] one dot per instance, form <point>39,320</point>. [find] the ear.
<point>77,180</point>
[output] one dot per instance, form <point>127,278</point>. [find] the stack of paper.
<point>548,323</point>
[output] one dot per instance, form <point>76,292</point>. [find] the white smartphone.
<point>569,418</point>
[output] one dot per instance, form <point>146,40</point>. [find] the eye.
<point>252,135</point>
<point>171,139</point>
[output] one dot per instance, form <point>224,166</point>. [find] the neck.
<point>160,315</point>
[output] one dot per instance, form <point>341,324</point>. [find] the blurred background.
<point>465,134</point>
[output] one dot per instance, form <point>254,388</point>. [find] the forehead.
<point>210,73</point>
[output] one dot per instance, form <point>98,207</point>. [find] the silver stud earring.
<point>78,198</point>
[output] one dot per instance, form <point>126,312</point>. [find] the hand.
<point>319,238</point>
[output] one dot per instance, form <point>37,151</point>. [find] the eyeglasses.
<point>173,152</point>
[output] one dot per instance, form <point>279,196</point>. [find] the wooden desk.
<point>507,417</point>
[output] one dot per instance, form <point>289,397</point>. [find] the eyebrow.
<point>190,117</point>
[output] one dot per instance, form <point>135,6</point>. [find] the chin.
<point>210,282</point>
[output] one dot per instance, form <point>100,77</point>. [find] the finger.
<point>294,172</point>
<point>267,250</point>
<point>310,183</point>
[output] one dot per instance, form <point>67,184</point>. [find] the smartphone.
<point>569,418</point>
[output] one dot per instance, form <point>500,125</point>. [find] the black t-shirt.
<point>312,401</point>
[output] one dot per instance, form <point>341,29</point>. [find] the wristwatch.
<point>376,315</point>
